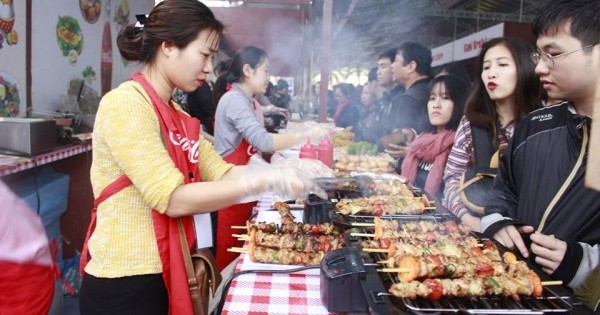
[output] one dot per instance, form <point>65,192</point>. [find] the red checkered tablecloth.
<point>62,153</point>
<point>269,293</point>
<point>272,293</point>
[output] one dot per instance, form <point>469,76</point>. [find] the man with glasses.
<point>540,183</point>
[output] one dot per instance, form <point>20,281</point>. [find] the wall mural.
<point>122,19</point>
<point>10,98</point>
<point>69,37</point>
<point>106,59</point>
<point>90,9</point>
<point>7,21</point>
<point>122,14</point>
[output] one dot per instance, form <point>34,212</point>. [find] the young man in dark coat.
<point>540,182</point>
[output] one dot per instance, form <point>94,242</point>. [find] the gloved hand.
<point>308,167</point>
<point>285,181</point>
<point>307,170</point>
<point>309,130</point>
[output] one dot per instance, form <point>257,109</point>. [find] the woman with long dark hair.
<point>507,90</point>
<point>151,168</point>
<point>240,133</point>
<point>425,161</point>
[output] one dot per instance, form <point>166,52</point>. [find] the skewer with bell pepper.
<point>280,256</point>
<point>302,242</point>
<point>321,228</point>
<point>528,284</point>
<point>387,227</point>
<point>380,205</point>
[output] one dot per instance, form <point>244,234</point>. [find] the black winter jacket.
<point>544,150</point>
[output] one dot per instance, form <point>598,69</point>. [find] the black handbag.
<point>477,181</point>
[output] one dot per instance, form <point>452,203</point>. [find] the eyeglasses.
<point>536,57</point>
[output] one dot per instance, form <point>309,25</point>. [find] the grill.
<point>318,210</point>
<point>549,302</point>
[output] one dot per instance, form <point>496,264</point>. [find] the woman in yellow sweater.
<point>150,167</point>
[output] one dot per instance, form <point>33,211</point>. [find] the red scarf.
<point>339,109</point>
<point>431,148</point>
<point>181,137</point>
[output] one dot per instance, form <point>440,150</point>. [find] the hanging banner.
<point>470,46</point>
<point>442,55</point>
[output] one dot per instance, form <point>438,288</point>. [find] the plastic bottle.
<point>307,151</point>
<point>325,152</point>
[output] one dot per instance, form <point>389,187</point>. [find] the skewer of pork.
<point>321,228</point>
<point>400,248</point>
<point>280,256</point>
<point>390,237</point>
<point>527,284</point>
<point>285,212</point>
<point>439,266</point>
<point>379,205</point>
<point>421,226</point>
<point>303,242</point>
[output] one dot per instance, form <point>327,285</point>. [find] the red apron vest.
<point>235,214</point>
<point>181,135</point>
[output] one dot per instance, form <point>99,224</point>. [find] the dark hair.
<point>222,67</point>
<point>455,68</point>
<point>421,55</point>
<point>282,84</point>
<point>388,54</point>
<point>584,16</point>
<point>372,75</point>
<point>347,89</point>
<point>173,21</point>
<point>458,89</point>
<point>248,55</point>
<point>481,109</point>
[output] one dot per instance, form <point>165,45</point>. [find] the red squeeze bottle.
<point>307,151</point>
<point>326,152</point>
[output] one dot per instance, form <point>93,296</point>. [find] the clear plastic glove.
<point>285,181</point>
<point>307,170</point>
<point>310,129</point>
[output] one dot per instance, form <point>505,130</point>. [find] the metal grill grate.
<point>549,302</point>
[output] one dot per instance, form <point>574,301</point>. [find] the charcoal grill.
<point>549,303</point>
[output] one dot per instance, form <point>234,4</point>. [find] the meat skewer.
<point>285,212</point>
<point>422,226</point>
<point>280,256</point>
<point>321,228</point>
<point>307,243</point>
<point>379,205</point>
<point>439,266</point>
<point>528,284</point>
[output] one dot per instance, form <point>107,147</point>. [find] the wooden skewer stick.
<point>429,208</point>
<point>239,227</point>
<point>362,234</point>
<point>548,283</point>
<point>394,270</point>
<point>240,235</point>
<point>363,224</point>
<point>237,250</point>
<point>375,250</point>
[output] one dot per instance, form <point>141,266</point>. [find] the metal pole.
<point>325,52</point>
<point>521,12</point>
